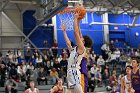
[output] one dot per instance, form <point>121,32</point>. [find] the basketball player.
<point>76,55</point>
<point>32,88</point>
<point>135,75</point>
<point>58,88</point>
<point>126,82</point>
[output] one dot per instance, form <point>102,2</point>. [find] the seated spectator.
<point>123,59</point>
<point>58,88</point>
<point>105,77</point>
<point>54,75</point>
<point>30,66</point>
<point>91,84</point>
<point>42,80</point>
<point>13,73</point>
<point>36,53</point>
<point>50,54</point>
<point>64,63</point>
<point>12,83</point>
<point>100,61</point>
<point>28,55</point>
<point>93,70</point>
<point>22,71</point>
<point>113,79</point>
<point>39,61</point>
<point>131,53</point>
<point>117,53</point>
<point>98,78</point>
<point>62,74</point>
<point>56,64</point>
<point>9,89</point>
<point>54,48</point>
<point>3,75</point>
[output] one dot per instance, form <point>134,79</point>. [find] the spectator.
<point>56,65</point>
<point>30,66</point>
<point>12,83</point>
<point>32,88</point>
<point>122,60</point>
<point>62,74</point>
<point>53,75</point>
<point>18,53</point>
<point>98,78</point>
<point>3,75</point>
<point>36,53</point>
<point>42,80</point>
<point>28,55</point>
<point>100,61</point>
<point>50,54</point>
<point>64,63</point>
<point>111,45</point>
<point>113,79</point>
<point>93,70</point>
<point>54,48</point>
<point>58,88</point>
<point>13,73</point>
<point>22,71</point>
<point>105,77</point>
<point>46,44</point>
<point>132,53</point>
<point>9,89</point>
<point>91,84</point>
<point>105,49</point>
<point>39,61</point>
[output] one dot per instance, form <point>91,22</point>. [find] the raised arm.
<point>77,34</point>
<point>68,42</point>
<point>122,85</point>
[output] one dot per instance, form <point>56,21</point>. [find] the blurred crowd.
<point>20,67</point>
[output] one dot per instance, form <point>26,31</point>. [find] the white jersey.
<point>73,73</point>
<point>35,90</point>
<point>74,60</point>
<point>127,84</point>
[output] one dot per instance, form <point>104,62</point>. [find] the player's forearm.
<point>68,43</point>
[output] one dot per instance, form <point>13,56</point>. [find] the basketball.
<point>82,11</point>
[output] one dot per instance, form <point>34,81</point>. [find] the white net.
<point>67,19</point>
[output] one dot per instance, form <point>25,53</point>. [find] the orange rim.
<point>67,10</point>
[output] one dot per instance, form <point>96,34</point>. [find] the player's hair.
<point>128,67</point>
<point>88,41</point>
<point>135,58</point>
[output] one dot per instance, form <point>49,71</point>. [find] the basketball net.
<point>66,16</point>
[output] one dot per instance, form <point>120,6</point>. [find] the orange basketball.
<point>82,11</point>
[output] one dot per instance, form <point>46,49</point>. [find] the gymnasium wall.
<point>94,31</point>
<point>40,34</point>
<point>124,33</point>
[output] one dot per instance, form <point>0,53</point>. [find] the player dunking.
<point>135,75</point>
<point>76,55</point>
<point>126,82</point>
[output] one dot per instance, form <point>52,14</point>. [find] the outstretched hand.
<point>63,28</point>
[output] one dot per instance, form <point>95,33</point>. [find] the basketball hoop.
<point>66,17</point>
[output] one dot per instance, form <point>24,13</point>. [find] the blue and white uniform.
<point>73,73</point>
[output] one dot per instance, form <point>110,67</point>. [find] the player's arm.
<point>122,85</point>
<point>26,91</point>
<point>37,91</point>
<point>54,89</point>
<point>68,42</point>
<point>79,42</point>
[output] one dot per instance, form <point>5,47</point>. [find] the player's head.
<point>59,81</point>
<point>87,41</point>
<point>128,69</point>
<point>32,84</point>
<point>135,62</point>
